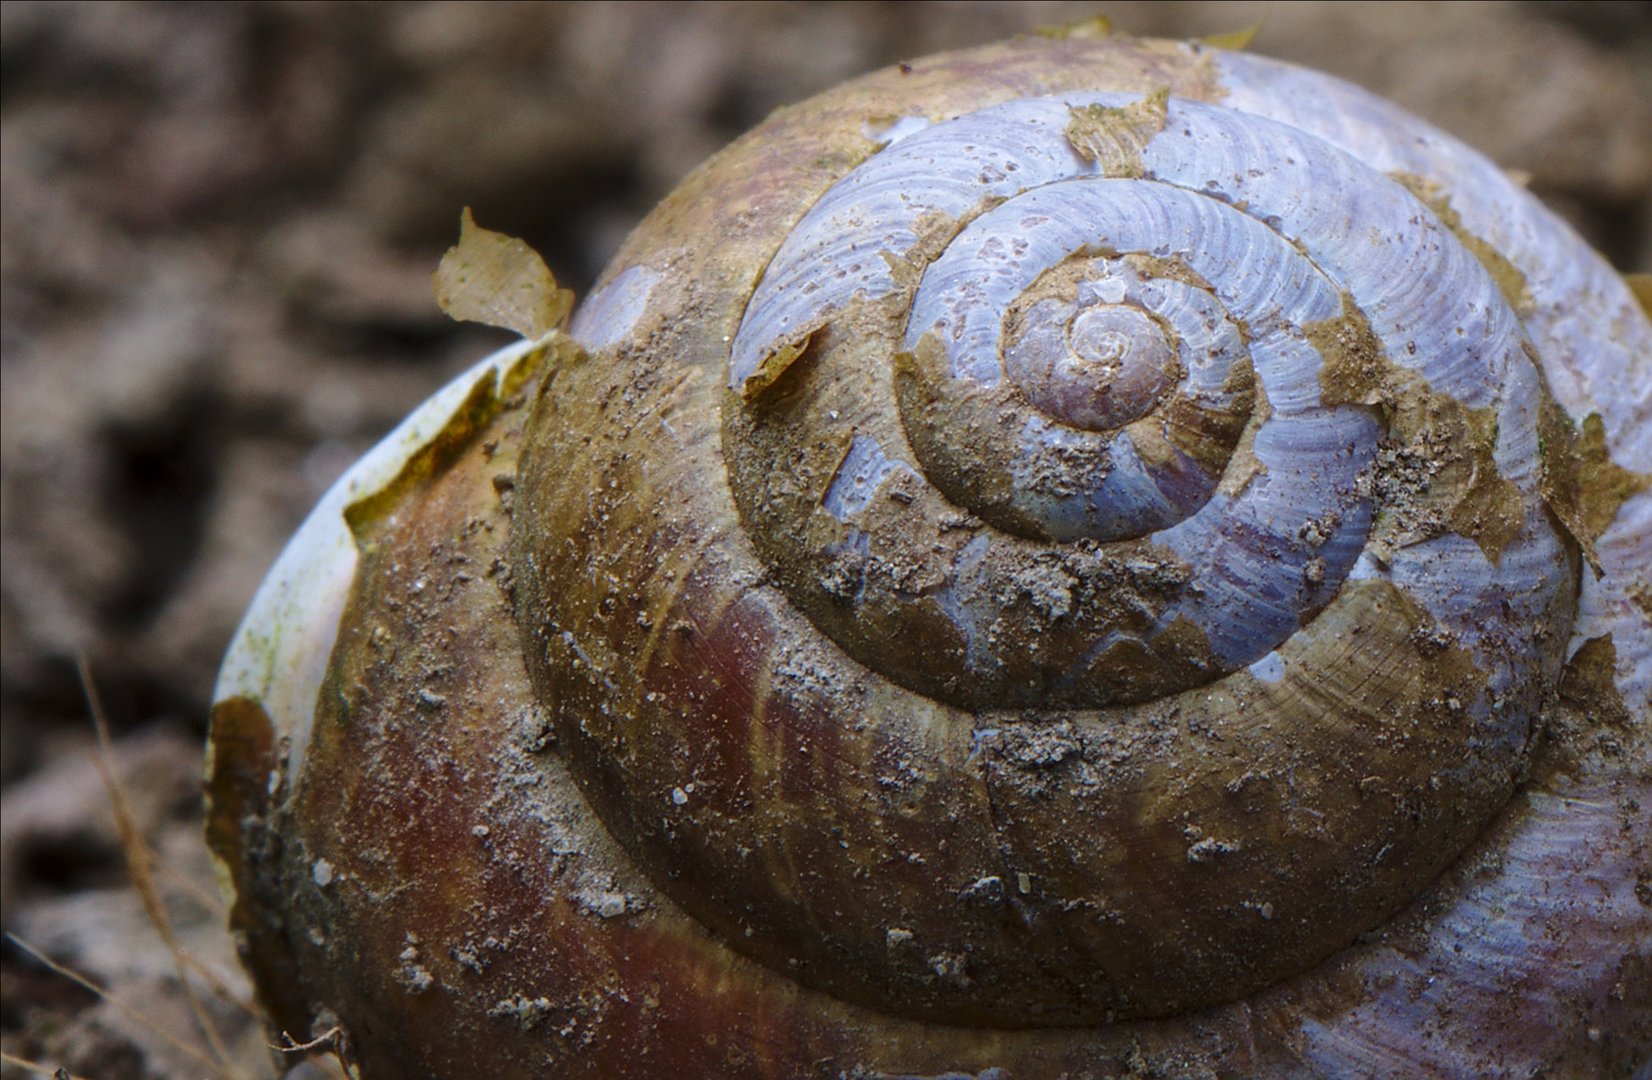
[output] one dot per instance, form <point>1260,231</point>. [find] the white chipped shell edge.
<point>280,651</point>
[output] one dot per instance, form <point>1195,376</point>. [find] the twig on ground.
<point>291,1047</point>
<point>138,862</point>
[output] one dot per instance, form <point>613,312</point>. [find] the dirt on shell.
<point>218,228</point>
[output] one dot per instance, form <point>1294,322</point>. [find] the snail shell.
<point>1116,555</point>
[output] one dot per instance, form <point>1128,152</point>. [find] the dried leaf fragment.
<point>1641,286</point>
<point>1236,40</point>
<point>491,278</point>
<point>1097,26</point>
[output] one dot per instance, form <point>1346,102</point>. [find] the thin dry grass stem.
<point>131,1014</point>
<point>290,1047</point>
<point>223,990</point>
<point>208,902</point>
<point>138,862</point>
<point>37,1068</point>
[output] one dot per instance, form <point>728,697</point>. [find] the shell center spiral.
<point>1093,367</point>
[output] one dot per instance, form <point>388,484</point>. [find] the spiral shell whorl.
<point>1280,281</point>
<point>982,595</point>
<point>717,697</point>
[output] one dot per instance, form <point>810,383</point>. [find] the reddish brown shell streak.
<point>798,866</point>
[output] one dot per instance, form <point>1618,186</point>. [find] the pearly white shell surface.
<point>280,651</point>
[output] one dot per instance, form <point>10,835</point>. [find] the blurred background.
<point>217,226</point>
